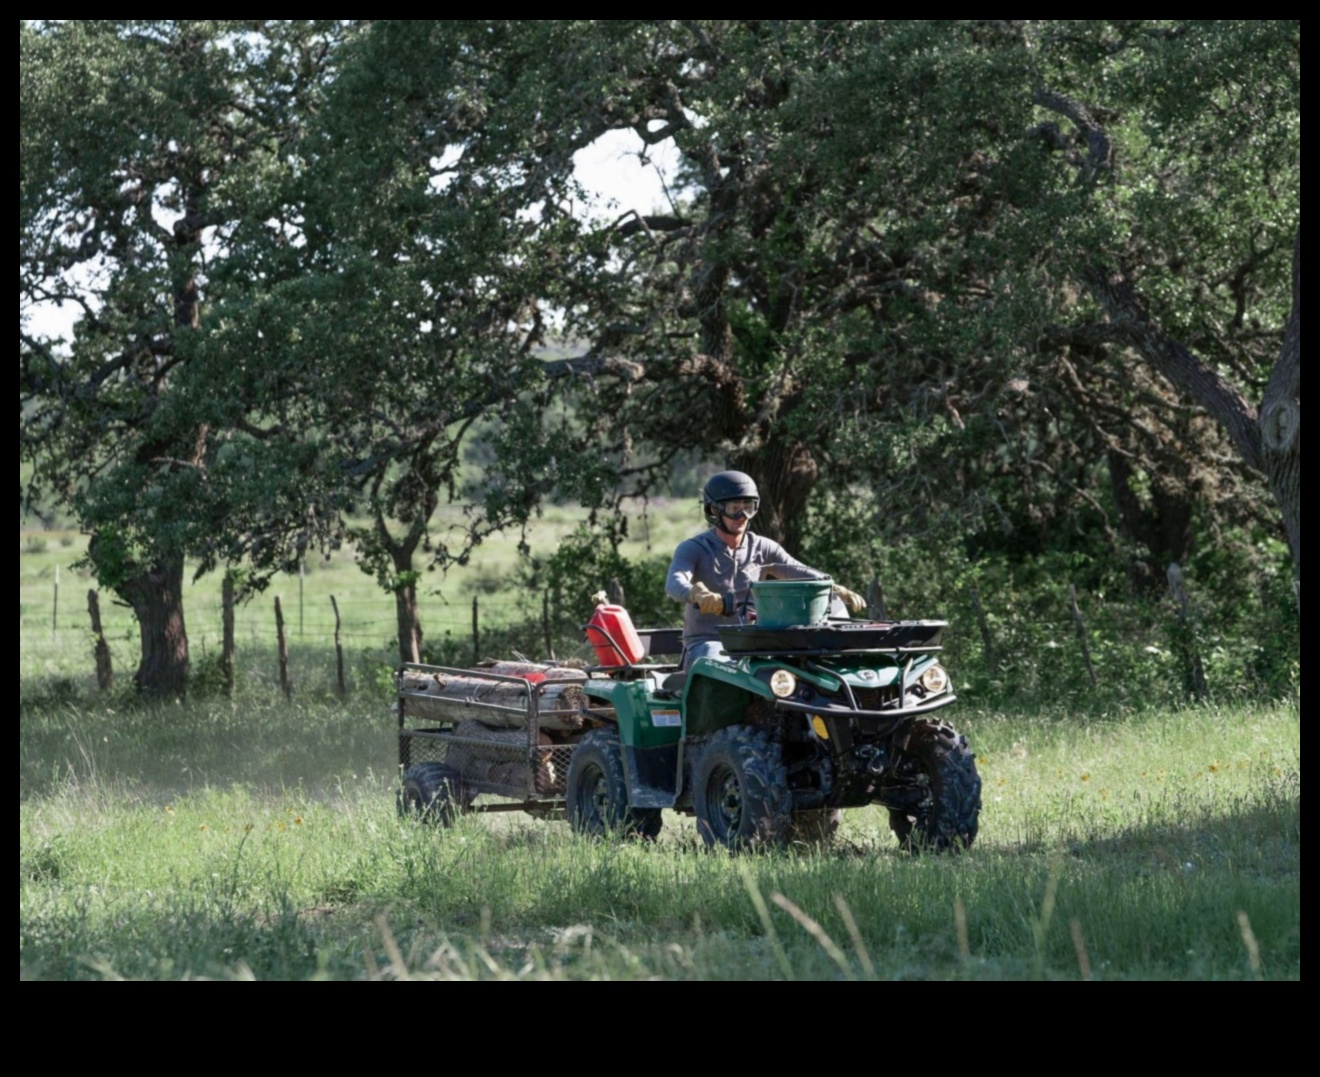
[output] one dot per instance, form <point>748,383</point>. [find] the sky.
<point>611,167</point>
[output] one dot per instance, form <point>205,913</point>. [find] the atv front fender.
<point>718,694</point>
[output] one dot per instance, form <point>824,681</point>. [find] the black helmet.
<point>729,486</point>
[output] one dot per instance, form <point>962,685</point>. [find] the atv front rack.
<point>835,638</point>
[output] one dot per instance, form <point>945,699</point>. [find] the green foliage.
<point>589,561</point>
<point>1244,628</point>
<point>404,581</point>
<point>112,558</point>
<point>942,262</point>
<point>206,675</point>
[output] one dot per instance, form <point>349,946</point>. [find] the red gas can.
<point>610,631</point>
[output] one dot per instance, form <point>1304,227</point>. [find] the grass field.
<point>257,838</point>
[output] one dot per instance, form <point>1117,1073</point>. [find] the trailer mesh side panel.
<point>487,764</point>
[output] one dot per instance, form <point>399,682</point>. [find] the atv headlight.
<point>934,679</point>
<point>782,683</point>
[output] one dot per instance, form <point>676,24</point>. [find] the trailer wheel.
<point>597,792</point>
<point>740,790</point>
<point>938,790</point>
<point>431,793</point>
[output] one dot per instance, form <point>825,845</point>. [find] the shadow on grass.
<point>169,748</point>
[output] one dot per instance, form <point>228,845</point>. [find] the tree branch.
<point>1132,325</point>
<point>1100,154</point>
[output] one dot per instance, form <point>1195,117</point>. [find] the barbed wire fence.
<point>75,633</point>
<point>61,636</point>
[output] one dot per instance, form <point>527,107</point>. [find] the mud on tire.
<point>740,790</point>
<point>934,796</point>
<point>597,792</point>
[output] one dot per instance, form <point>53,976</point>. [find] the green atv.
<point>809,715</point>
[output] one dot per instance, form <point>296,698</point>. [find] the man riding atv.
<point>797,712</point>
<point>725,561</point>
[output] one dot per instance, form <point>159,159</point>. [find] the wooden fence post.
<point>283,651</point>
<point>545,626</point>
<point>617,597</point>
<point>55,604</point>
<point>105,674</point>
<point>1081,634</point>
<point>476,632</point>
<point>227,632</point>
<point>1193,670</point>
<point>340,686</point>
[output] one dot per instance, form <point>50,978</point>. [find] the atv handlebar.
<point>729,604</point>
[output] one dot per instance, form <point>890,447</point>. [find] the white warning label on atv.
<point>665,718</point>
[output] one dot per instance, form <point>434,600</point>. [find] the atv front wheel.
<point>432,793</point>
<point>934,793</point>
<point>597,793</point>
<point>740,790</point>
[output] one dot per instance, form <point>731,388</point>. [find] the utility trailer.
<point>811,713</point>
<point>506,729</point>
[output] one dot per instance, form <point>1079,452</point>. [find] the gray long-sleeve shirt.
<point>706,559</point>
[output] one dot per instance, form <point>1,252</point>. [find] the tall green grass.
<point>259,839</point>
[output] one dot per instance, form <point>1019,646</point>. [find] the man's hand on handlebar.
<point>855,602</point>
<point>705,599</point>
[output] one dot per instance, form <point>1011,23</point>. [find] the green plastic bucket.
<point>788,603</point>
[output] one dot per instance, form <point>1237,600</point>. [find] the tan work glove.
<point>855,602</point>
<point>706,599</point>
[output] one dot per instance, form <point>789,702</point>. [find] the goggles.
<point>743,508</point>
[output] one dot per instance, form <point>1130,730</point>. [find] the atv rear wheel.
<point>597,792</point>
<point>432,793</point>
<point>740,790</point>
<point>934,794</point>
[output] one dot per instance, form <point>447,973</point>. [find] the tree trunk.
<point>1281,425</point>
<point>227,632</point>
<point>105,674</point>
<point>156,596</point>
<point>409,622</point>
<point>1164,527</point>
<point>785,473</point>
<point>403,583</point>
<point>405,591</point>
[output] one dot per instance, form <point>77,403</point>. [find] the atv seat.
<point>658,641</point>
<point>672,686</point>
